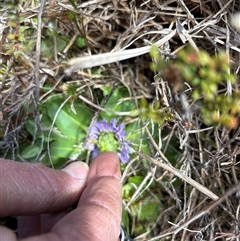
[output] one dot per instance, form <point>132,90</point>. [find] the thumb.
<point>29,189</point>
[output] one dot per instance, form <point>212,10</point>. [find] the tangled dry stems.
<point>210,156</point>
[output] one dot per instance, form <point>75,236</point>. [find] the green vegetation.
<point>179,103</point>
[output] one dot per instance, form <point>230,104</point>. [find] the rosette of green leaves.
<point>61,133</point>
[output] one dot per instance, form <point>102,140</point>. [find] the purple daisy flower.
<point>104,136</point>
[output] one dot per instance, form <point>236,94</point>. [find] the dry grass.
<point>207,166</point>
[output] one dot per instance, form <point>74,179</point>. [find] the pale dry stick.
<point>230,45</point>
<point>229,85</point>
<point>37,73</point>
<point>132,29</point>
<point>185,33</point>
<point>126,113</point>
<point>212,17</point>
<point>107,58</point>
<point>200,130</point>
<point>52,89</point>
<point>222,7</point>
<point>235,21</point>
<point>127,168</point>
<point>89,3</point>
<point>209,207</point>
<point>181,175</point>
<point>156,147</point>
<point>71,42</point>
<point>236,134</point>
<point>228,205</point>
<point>138,192</point>
<point>160,143</point>
<point>188,211</point>
<point>234,157</point>
<point>51,128</point>
<point>184,36</point>
<point>184,140</point>
<point>201,156</point>
<point>182,33</point>
<point>237,218</point>
<point>164,31</point>
<point>38,49</point>
<point>187,10</point>
<point>70,8</point>
<point>202,25</point>
<point>216,200</point>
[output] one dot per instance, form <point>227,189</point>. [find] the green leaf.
<point>138,137</point>
<point>154,52</point>
<point>73,4</point>
<point>150,210</point>
<point>73,125</point>
<point>81,42</point>
<point>61,43</point>
<point>137,180</point>
<point>46,47</point>
<point>30,151</point>
<point>126,220</point>
<point>54,135</point>
<point>63,148</point>
<point>117,103</point>
<point>127,191</point>
<point>106,89</point>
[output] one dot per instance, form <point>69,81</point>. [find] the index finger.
<point>98,216</point>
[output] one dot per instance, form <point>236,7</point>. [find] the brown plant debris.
<point>206,164</point>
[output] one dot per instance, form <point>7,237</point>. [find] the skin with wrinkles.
<point>97,192</point>
<point>36,182</point>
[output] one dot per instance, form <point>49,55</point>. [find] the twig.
<point>107,58</point>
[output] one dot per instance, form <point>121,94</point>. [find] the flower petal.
<point>102,127</point>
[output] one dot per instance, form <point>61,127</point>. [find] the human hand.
<point>33,189</point>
